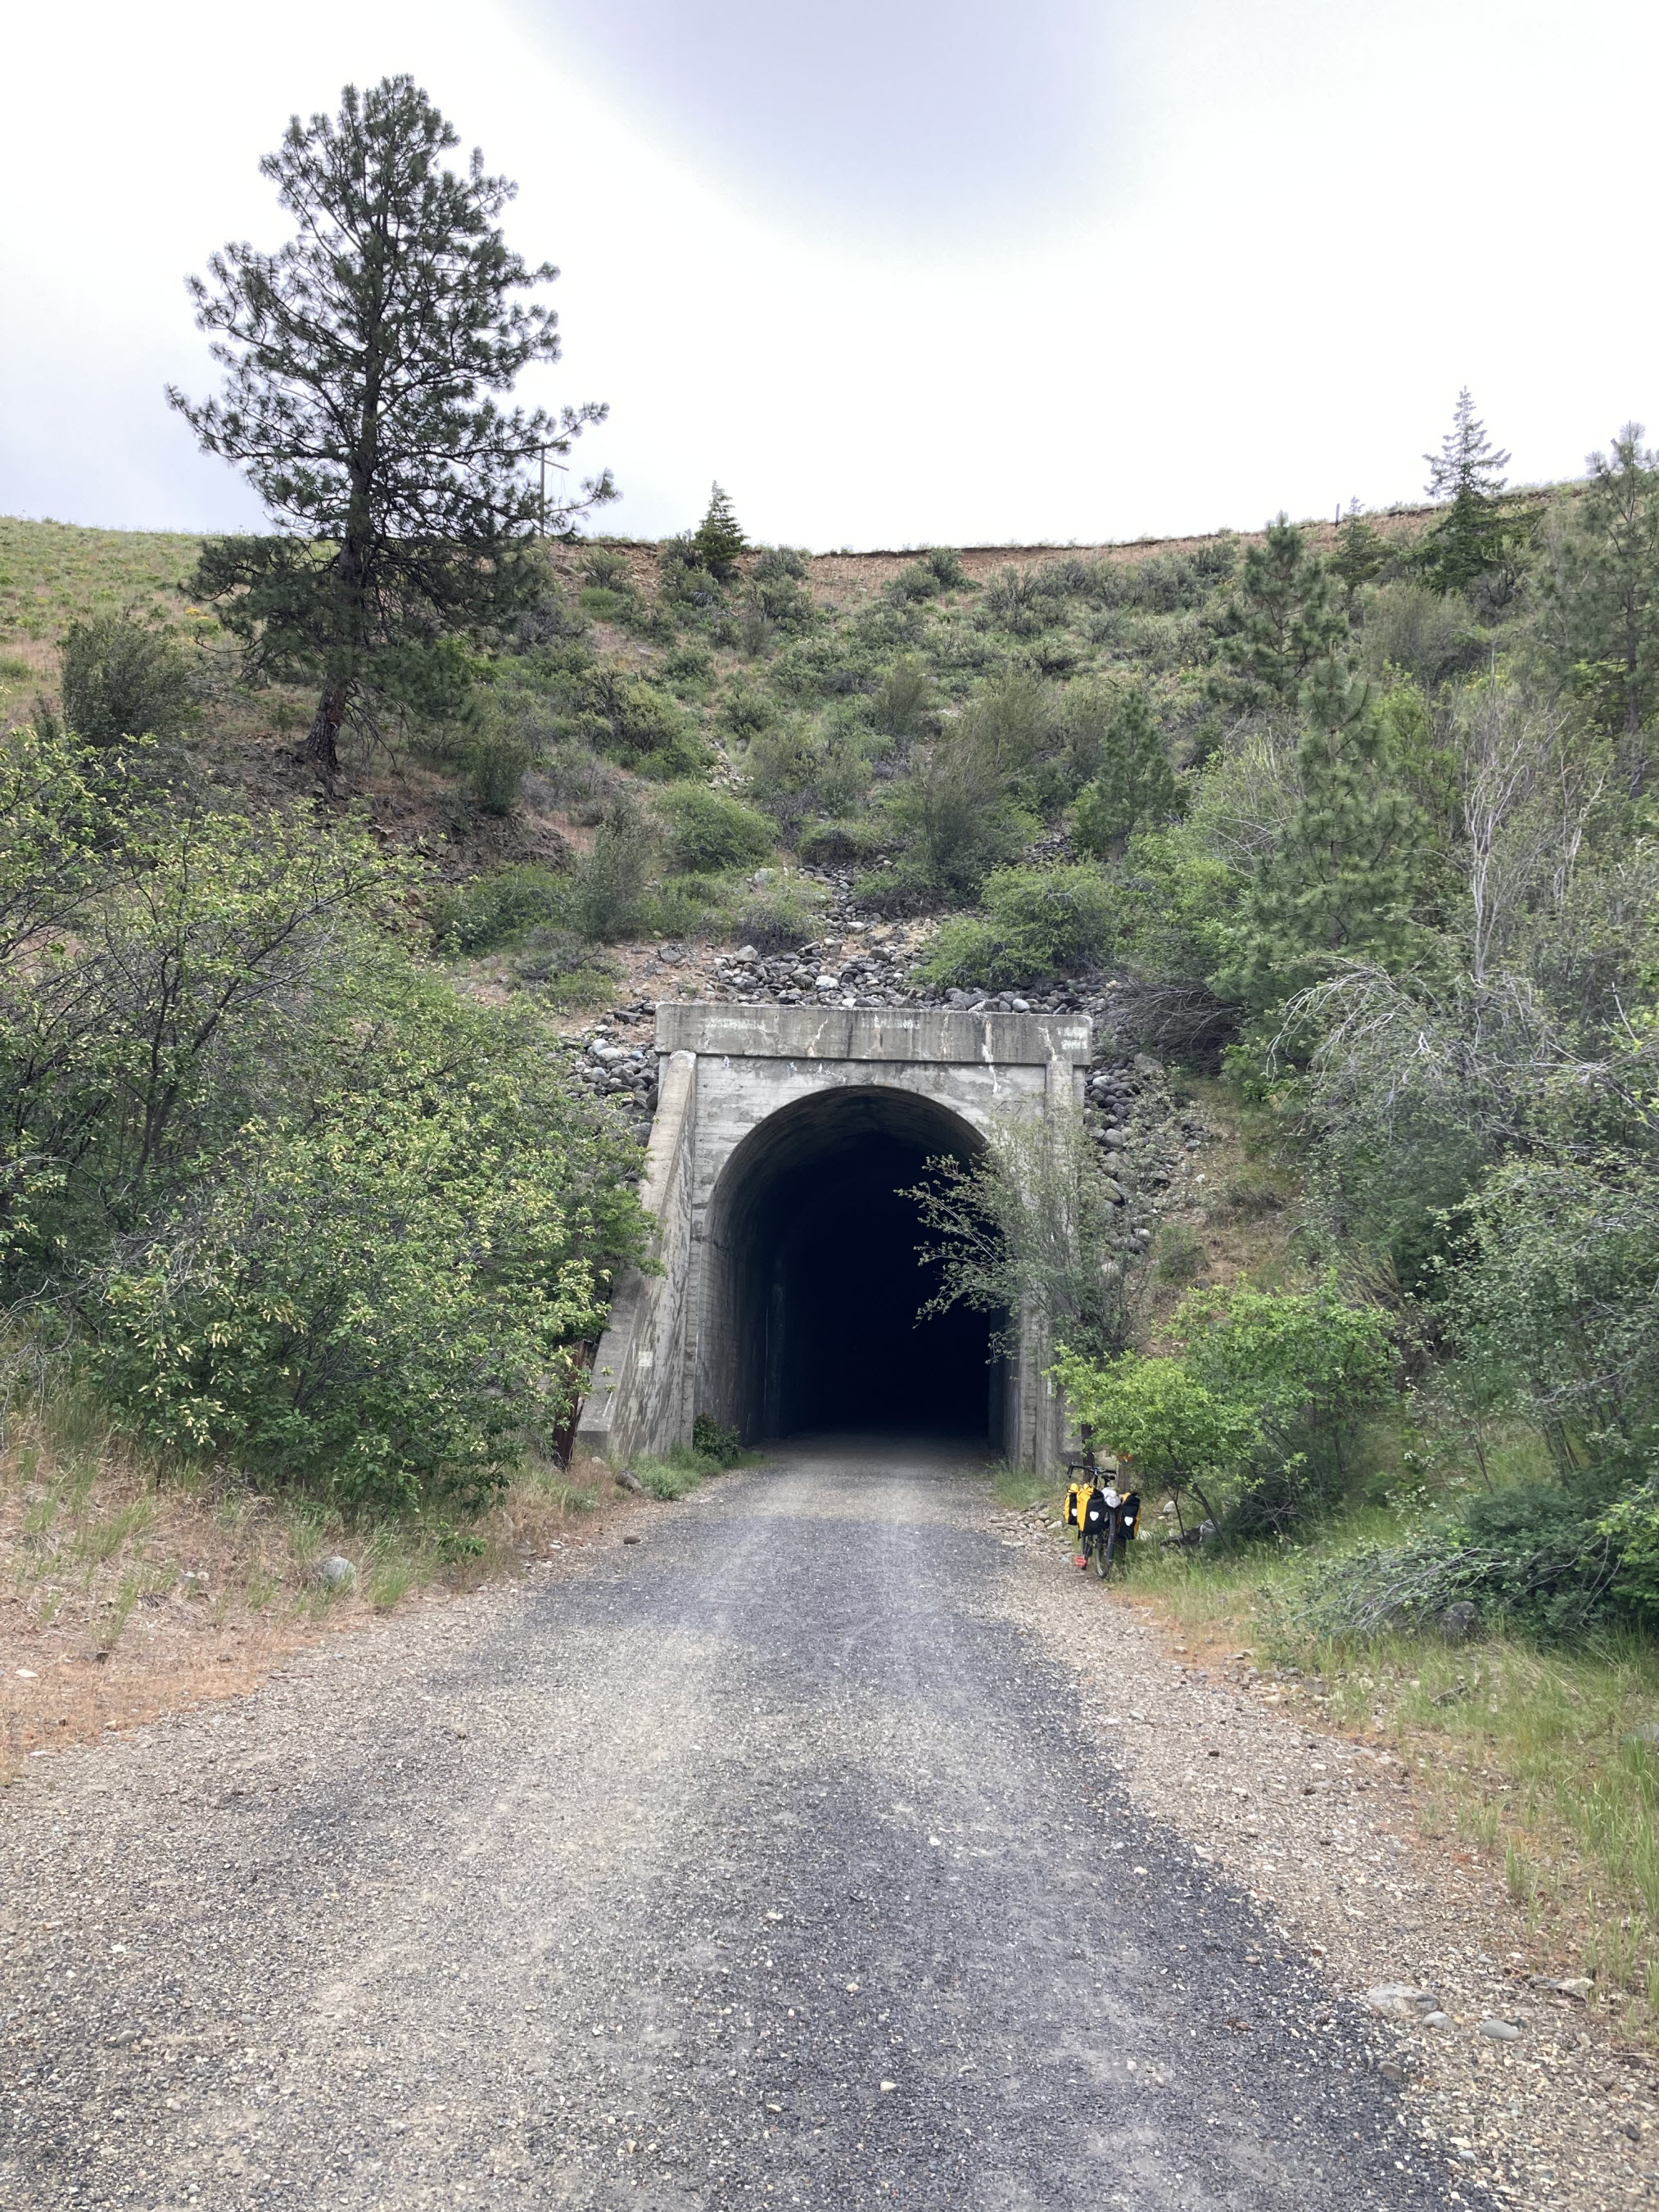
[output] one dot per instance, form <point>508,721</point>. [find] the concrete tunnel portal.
<point>783,1285</point>
<point>816,1284</point>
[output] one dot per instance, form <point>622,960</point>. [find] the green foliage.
<point>1036,924</point>
<point>1600,595</point>
<point>797,768</point>
<point>1133,787</point>
<point>1362,553</point>
<point>1155,1413</point>
<point>780,916</point>
<point>717,539</point>
<point>1253,1416</point>
<point>489,911</point>
<point>123,679</point>
<point>608,884</point>
<point>1341,880</point>
<point>1471,541</point>
<point>712,1442</point>
<point>306,1206</point>
<point>1284,619</point>
<point>777,588</point>
<point>1034,1225</point>
<point>379,1299</point>
<point>358,359</point>
<point>709,831</point>
<point>628,719</point>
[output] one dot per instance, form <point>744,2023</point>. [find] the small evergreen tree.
<point>1361,552</point>
<point>1601,595</point>
<point>717,539</point>
<point>358,361</point>
<point>1133,785</point>
<point>1283,618</point>
<point>1341,880</point>
<point>1471,541</point>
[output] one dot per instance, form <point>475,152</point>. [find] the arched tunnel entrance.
<point>814,1284</point>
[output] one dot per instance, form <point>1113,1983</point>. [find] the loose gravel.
<point>787,1853</point>
<point>1515,2084</point>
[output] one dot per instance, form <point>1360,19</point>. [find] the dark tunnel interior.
<point>822,1284</point>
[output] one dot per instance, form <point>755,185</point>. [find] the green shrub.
<point>710,1441</point>
<point>780,916</point>
<point>121,679</point>
<point>497,759</point>
<point>688,668</point>
<point>1038,923</point>
<point>777,588</point>
<point>489,911</point>
<point>607,569</point>
<point>746,710</point>
<point>603,605</point>
<point>688,905</point>
<point>630,721</point>
<point>381,1298</point>
<point>902,705</point>
<point>842,844</point>
<point>799,769</point>
<point>1535,1557</point>
<point>608,884</point>
<point>709,831</point>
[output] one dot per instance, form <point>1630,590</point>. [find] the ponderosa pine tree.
<point>360,359</point>
<point>1284,617</point>
<point>1133,785</point>
<point>1600,595</point>
<point>1470,542</point>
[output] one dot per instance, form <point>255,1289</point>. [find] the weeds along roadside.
<point>128,1590</point>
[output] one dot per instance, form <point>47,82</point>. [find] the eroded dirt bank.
<point>774,1855</point>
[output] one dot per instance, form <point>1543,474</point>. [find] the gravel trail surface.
<point>767,1857</point>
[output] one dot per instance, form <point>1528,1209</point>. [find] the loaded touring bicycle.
<point>1105,1513</point>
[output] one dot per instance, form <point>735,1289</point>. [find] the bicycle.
<point>1103,1517</point>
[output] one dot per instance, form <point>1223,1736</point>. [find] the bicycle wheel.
<point>1103,1551</point>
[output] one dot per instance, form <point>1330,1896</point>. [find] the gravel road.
<point>765,1858</point>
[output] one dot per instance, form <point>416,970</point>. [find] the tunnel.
<point>814,1284</point>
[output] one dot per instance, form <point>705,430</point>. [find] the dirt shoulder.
<point>1324,1834</point>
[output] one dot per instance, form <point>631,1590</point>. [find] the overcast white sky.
<point>896,271</point>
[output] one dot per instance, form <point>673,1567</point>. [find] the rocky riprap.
<point>862,961</point>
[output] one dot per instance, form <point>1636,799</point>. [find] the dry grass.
<point>124,1597</point>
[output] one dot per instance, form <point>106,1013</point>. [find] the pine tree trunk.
<point>322,740</point>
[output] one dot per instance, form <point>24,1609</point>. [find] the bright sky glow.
<point>897,273</point>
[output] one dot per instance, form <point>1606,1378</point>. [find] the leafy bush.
<point>1419,633</point>
<point>489,911</point>
<point>380,1298</point>
<point>777,588</point>
<point>780,916</point>
<point>121,679</point>
<point>842,844</point>
<point>608,884</point>
<point>1017,601</point>
<point>712,1442</point>
<point>799,770</point>
<point>1535,1557</point>
<point>632,722</point>
<point>1037,923</point>
<point>902,705</point>
<point>1254,1415</point>
<point>708,831</point>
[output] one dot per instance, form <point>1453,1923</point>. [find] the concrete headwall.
<point>725,1072</point>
